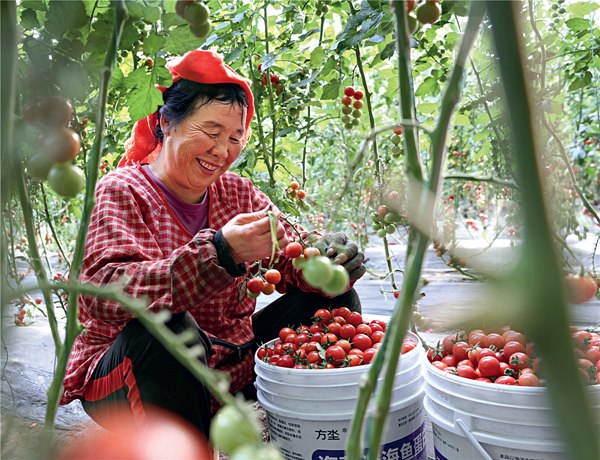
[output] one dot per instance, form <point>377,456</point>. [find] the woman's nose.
<point>220,147</point>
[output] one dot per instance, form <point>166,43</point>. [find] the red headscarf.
<point>200,66</point>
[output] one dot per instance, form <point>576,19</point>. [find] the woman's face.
<point>198,150</point>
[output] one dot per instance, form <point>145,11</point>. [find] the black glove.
<point>343,251</point>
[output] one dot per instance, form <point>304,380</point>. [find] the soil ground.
<point>27,353</point>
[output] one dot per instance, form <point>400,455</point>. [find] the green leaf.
<point>461,120</point>
<point>330,65</point>
<point>234,55</point>
<point>29,19</point>
<point>143,101</point>
<point>153,44</point>
<point>135,9</point>
<point>388,51</point>
<point>34,5</point>
<point>582,8</point>
<point>429,87</point>
<point>65,16</point>
<point>306,81</point>
<point>577,24</point>
<point>331,91</point>
<point>316,57</point>
<point>428,108</point>
<point>181,40</point>
<point>287,130</point>
<point>152,14</point>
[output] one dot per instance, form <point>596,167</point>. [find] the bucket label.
<point>325,439</point>
<point>411,447</point>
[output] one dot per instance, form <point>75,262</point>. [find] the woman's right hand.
<point>249,236</point>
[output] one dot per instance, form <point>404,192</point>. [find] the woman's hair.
<point>184,97</point>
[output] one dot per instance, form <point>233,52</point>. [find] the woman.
<point>175,227</point>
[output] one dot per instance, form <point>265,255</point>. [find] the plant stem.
<point>489,179</point>
<point>51,225</point>
<point>73,327</point>
<point>401,318</point>
<point>538,276</point>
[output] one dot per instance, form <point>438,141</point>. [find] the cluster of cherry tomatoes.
<point>273,78</point>
<point>294,190</point>
<point>336,338</point>
<point>507,357</point>
<point>396,140</point>
<point>351,105</point>
<point>59,145</point>
<point>197,14</point>
<point>264,284</point>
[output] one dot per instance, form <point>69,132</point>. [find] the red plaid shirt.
<point>135,237</point>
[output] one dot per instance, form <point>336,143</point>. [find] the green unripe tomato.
<point>346,119</point>
<point>348,126</point>
<point>346,110</point>
<point>255,451</point>
<point>230,430</point>
<point>396,151</point>
<point>396,139</point>
<point>355,122</point>
<point>429,12</point>
<point>376,226</point>
<point>339,281</point>
<point>196,13</point>
<point>201,30</point>
<point>356,113</point>
<point>318,271</point>
<point>381,232</point>
<point>39,166</point>
<point>66,179</point>
<point>390,228</point>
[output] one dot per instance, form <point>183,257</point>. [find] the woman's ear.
<point>164,126</point>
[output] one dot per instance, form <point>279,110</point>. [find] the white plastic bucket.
<point>479,420</point>
<point>310,411</point>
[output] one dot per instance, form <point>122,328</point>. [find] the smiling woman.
<point>176,227</point>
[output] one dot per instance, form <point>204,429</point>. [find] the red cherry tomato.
<point>460,350</point>
<point>505,380</point>
<point>361,341</point>
<point>354,318</point>
<point>489,366</point>
<point>349,91</point>
<point>368,355</point>
<point>273,276</point>
<point>284,332</point>
<point>347,331</point>
<point>322,315</point>
<point>466,371</point>
<point>358,95</point>
<point>255,285</point>
<point>335,355</point>
<point>293,250</point>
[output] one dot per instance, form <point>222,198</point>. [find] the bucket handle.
<point>463,427</point>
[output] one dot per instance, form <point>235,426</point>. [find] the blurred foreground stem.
<point>537,281</point>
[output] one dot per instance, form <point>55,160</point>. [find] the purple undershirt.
<point>194,217</point>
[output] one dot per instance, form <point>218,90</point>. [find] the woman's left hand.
<point>343,251</point>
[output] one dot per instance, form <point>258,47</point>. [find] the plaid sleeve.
<point>123,246</point>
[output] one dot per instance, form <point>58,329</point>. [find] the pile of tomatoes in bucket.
<point>336,338</point>
<point>508,357</point>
